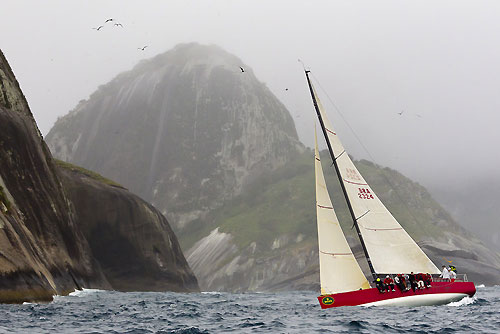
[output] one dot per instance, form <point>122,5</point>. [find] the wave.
<point>84,292</point>
<point>480,286</point>
<point>464,301</point>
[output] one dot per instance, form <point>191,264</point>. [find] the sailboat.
<point>388,248</point>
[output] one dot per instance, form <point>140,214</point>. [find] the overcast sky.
<point>438,62</point>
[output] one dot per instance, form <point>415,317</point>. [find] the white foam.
<point>480,286</point>
<point>84,292</point>
<point>464,301</point>
<point>210,292</point>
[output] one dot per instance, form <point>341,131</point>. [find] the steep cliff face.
<point>132,241</point>
<point>56,236</point>
<point>185,130</point>
<point>42,252</point>
<point>266,238</point>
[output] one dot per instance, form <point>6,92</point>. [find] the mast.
<point>351,211</point>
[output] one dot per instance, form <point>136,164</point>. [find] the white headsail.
<point>390,248</point>
<point>339,270</point>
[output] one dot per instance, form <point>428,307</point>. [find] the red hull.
<point>360,297</point>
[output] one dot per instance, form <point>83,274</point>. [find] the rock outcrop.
<point>56,238</point>
<point>42,251</point>
<point>130,239</point>
<point>185,130</point>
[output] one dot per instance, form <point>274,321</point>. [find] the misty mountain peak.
<point>186,130</point>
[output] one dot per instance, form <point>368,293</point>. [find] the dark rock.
<point>41,251</point>
<point>132,241</point>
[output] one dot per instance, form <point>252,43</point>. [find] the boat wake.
<point>464,301</point>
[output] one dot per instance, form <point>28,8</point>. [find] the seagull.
<point>145,46</point>
<point>118,25</point>
<point>242,70</point>
<point>401,113</point>
<point>98,28</point>
<point>108,20</point>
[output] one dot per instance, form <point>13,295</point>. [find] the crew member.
<point>453,276</point>
<point>399,282</point>
<point>407,281</point>
<point>380,285</point>
<point>420,281</point>
<point>427,280</point>
<point>445,274</point>
<point>389,283</point>
<point>413,281</point>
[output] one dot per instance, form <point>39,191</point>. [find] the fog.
<point>437,62</point>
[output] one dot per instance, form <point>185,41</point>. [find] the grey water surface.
<point>96,311</point>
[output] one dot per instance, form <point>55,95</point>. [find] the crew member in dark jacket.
<point>380,285</point>
<point>413,282</point>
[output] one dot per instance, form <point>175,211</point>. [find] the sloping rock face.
<point>185,130</point>
<point>132,241</point>
<point>42,252</point>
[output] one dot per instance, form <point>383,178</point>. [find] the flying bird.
<point>108,20</point>
<point>144,47</point>
<point>401,113</point>
<point>118,25</point>
<point>286,89</point>
<point>98,28</point>
<point>242,70</point>
<point>419,116</point>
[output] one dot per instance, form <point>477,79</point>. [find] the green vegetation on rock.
<point>87,172</point>
<point>282,202</point>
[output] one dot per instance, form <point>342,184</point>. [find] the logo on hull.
<point>327,300</point>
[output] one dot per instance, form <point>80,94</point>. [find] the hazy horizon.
<point>437,62</point>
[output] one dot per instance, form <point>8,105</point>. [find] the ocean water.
<point>96,311</point>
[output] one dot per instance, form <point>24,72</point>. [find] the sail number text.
<point>365,193</point>
<point>352,174</point>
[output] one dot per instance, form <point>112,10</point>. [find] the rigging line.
<point>303,66</point>
<point>366,150</point>
<point>338,156</point>
<point>364,214</point>
<point>341,115</point>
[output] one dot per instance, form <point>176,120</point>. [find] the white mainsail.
<point>390,248</point>
<point>339,270</point>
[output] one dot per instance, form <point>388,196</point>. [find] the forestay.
<point>390,248</point>
<point>339,270</point>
